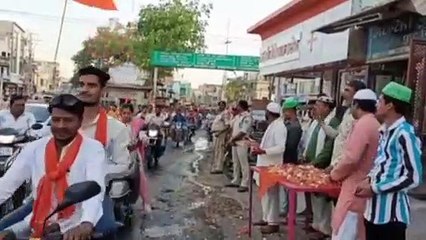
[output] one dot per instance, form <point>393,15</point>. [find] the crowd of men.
<point>365,143</point>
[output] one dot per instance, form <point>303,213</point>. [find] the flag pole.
<point>58,43</point>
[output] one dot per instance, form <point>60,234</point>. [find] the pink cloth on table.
<point>137,125</point>
<point>357,160</point>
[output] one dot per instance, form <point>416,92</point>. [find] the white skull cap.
<point>365,94</point>
<point>273,107</point>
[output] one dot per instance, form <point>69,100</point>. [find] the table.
<point>292,189</point>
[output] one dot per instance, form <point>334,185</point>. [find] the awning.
<point>385,9</point>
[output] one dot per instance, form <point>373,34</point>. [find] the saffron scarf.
<point>102,127</point>
<point>54,182</point>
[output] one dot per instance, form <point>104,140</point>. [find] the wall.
<point>297,47</point>
<point>127,73</point>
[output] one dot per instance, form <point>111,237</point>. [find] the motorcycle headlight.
<point>7,139</point>
<point>152,133</point>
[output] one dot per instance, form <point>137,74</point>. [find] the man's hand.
<point>258,151</point>
<point>81,232</point>
<point>364,189</point>
<point>328,169</point>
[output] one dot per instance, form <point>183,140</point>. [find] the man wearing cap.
<point>270,153</point>
<point>357,159</point>
<point>53,163</point>
<point>318,153</point>
<point>397,168</point>
<point>294,130</point>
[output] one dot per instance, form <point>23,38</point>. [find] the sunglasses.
<point>64,101</point>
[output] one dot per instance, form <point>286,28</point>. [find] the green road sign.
<point>205,61</point>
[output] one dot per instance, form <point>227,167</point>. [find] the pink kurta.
<point>357,160</point>
<point>137,125</point>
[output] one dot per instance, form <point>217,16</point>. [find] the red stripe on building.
<point>297,11</point>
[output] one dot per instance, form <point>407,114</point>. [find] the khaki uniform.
<point>220,123</point>
<point>242,123</point>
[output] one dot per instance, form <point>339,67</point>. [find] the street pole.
<point>55,58</point>
<point>154,88</point>
<point>227,42</point>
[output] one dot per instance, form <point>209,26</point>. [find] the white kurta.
<point>89,165</point>
<point>273,142</point>
<point>118,138</point>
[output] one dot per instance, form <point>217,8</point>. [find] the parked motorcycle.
<point>124,191</point>
<point>75,194</point>
<point>11,144</point>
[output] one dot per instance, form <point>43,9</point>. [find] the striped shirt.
<point>397,168</point>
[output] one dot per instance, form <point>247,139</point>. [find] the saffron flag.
<point>102,4</point>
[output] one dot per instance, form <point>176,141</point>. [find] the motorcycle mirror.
<point>36,126</point>
<point>77,193</point>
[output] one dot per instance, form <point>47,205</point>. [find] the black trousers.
<point>388,231</point>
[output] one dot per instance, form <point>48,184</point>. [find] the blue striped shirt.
<point>397,168</point>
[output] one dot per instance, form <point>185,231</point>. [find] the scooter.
<point>75,194</point>
<point>11,144</point>
<point>124,192</point>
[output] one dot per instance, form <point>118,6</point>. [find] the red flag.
<point>102,4</point>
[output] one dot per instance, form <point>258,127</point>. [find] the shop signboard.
<point>299,47</point>
<point>205,61</point>
<point>392,38</point>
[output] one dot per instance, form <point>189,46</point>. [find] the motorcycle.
<point>178,135</point>
<point>154,148</point>
<point>11,144</point>
<point>124,192</point>
<point>75,194</point>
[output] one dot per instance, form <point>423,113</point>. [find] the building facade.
<point>300,60</point>
<point>16,59</point>
<point>209,94</point>
<point>46,77</point>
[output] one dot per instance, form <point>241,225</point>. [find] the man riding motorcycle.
<point>16,117</point>
<point>53,163</point>
<point>113,135</point>
<point>179,118</point>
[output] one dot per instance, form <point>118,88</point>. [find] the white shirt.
<point>89,165</point>
<point>157,120</point>
<point>118,138</point>
<point>21,124</point>
<point>273,142</point>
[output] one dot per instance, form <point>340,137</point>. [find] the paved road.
<point>176,199</point>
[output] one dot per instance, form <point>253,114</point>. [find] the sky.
<point>42,19</point>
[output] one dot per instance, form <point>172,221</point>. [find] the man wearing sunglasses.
<point>53,163</point>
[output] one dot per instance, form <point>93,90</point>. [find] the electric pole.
<point>61,26</point>
<point>227,43</point>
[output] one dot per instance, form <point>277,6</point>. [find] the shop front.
<point>301,61</point>
<point>396,50</point>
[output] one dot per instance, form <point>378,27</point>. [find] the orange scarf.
<point>102,127</point>
<point>54,182</point>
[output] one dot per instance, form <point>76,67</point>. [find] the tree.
<point>171,25</point>
<point>236,89</point>
<point>109,47</point>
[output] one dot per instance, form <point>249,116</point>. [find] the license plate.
<point>6,151</point>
